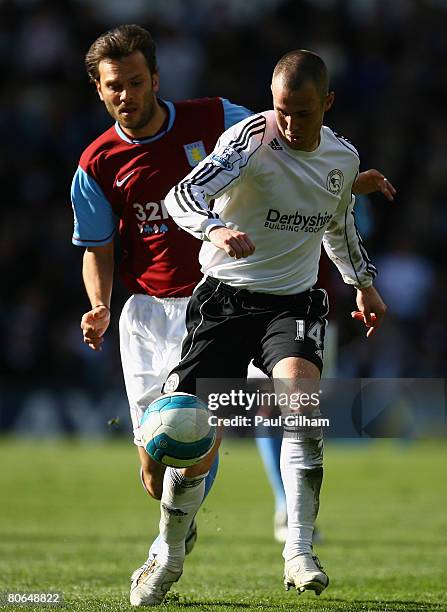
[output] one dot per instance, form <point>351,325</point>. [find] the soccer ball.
<point>175,430</point>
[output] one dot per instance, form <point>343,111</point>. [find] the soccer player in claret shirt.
<point>282,184</point>
<point>121,182</point>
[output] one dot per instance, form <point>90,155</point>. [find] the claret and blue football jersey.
<point>121,184</point>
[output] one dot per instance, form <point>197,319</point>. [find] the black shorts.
<point>228,327</point>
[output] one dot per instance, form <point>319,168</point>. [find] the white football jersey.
<point>289,202</point>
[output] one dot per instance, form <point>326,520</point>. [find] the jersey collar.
<point>171,118</point>
<point>302,154</point>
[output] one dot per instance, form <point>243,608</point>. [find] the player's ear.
<point>155,81</point>
<point>98,89</point>
<point>328,101</point>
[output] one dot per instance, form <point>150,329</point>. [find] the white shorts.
<point>151,334</point>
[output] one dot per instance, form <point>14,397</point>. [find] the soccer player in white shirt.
<point>282,184</point>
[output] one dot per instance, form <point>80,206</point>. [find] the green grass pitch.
<point>74,518</point>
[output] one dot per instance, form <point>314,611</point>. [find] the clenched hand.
<point>236,244</point>
<point>94,324</point>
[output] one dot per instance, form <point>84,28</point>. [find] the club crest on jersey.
<point>334,181</point>
<point>195,152</point>
<point>225,159</point>
<point>171,383</point>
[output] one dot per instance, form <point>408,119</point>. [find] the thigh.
<point>150,341</point>
<point>296,332</point>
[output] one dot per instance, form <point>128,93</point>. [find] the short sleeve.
<point>94,219</point>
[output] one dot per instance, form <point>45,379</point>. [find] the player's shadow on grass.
<point>214,605</point>
<point>56,538</point>
<point>364,542</point>
<point>337,605</point>
<point>391,605</point>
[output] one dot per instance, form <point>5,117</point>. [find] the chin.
<point>297,146</point>
<point>132,124</point>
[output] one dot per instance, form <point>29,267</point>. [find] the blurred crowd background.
<point>388,62</point>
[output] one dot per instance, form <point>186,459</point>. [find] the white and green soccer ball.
<point>175,430</point>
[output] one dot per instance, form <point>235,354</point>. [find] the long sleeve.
<point>344,246</point>
<point>188,202</point>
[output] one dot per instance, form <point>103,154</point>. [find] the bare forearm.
<point>372,181</point>
<point>97,272</point>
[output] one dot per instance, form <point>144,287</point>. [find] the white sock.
<point>179,504</point>
<point>302,474</point>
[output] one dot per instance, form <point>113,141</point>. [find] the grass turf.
<point>73,518</point>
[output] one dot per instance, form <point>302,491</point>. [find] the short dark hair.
<point>118,43</point>
<point>300,66</point>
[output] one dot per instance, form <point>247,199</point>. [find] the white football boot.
<point>137,579</point>
<point>305,573</point>
<point>150,583</point>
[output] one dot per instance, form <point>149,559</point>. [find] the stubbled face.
<point>299,113</point>
<point>128,91</point>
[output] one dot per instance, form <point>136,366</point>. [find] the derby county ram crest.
<point>334,181</point>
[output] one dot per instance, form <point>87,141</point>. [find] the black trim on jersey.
<point>369,264</point>
<point>243,139</point>
<point>211,172</point>
<point>370,269</point>
<point>213,195</point>
<point>347,245</point>
<point>177,199</point>
<point>342,137</point>
<point>196,206</point>
<point>202,172</point>
<point>186,189</point>
<point>238,144</point>
<point>344,141</point>
<point>208,172</point>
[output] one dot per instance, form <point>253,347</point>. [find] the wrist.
<point>101,306</point>
<point>365,288</point>
<point>211,225</point>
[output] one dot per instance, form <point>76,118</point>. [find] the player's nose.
<point>292,124</point>
<point>125,95</point>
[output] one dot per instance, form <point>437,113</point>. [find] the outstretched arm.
<point>371,181</point>
<point>97,272</point>
<point>344,246</point>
